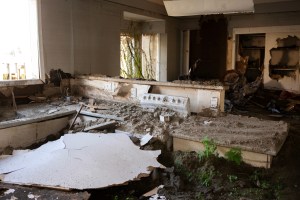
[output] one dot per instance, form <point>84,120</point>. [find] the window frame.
<point>41,79</point>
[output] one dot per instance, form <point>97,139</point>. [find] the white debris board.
<point>80,161</point>
<point>176,103</point>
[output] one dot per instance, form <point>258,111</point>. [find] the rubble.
<point>240,91</point>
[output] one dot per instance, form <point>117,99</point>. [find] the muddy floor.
<point>190,175</point>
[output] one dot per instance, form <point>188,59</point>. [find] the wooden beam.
<point>98,115</point>
<point>76,116</point>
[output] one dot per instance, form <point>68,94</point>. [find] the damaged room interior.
<point>150,99</point>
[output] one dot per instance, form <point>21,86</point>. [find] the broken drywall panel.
<point>141,90</point>
<point>80,161</point>
<point>203,7</point>
<point>145,139</point>
<point>176,103</point>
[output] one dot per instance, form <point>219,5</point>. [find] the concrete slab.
<point>248,133</point>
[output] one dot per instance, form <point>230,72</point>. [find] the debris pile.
<point>240,91</point>
<point>277,102</point>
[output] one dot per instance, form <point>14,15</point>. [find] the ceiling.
<point>138,18</point>
<point>255,1</point>
<point>156,1</point>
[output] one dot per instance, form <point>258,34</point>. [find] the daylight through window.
<point>19,46</point>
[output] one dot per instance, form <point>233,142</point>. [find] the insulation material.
<point>80,161</point>
<point>178,8</point>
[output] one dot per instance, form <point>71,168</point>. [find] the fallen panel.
<point>80,161</point>
<point>206,7</point>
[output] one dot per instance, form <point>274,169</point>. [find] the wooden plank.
<point>76,116</point>
<point>252,158</point>
<point>101,126</point>
<point>98,115</point>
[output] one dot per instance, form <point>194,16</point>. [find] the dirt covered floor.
<point>192,175</point>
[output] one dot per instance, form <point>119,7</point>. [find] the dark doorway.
<point>208,47</point>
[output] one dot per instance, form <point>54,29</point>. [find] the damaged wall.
<point>272,78</point>
<point>83,37</point>
<point>256,21</point>
<point>263,21</point>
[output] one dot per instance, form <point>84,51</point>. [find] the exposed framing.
<point>255,30</point>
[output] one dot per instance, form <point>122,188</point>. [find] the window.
<point>19,40</point>
<point>139,56</point>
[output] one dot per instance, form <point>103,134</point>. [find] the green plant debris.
<point>205,177</point>
<point>234,155</point>
<point>232,178</point>
<point>135,62</point>
<point>210,148</point>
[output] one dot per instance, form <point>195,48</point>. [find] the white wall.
<point>286,83</point>
<point>83,37</point>
<point>57,41</point>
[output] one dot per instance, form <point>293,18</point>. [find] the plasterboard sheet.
<point>206,7</point>
<point>80,161</point>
